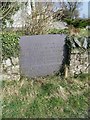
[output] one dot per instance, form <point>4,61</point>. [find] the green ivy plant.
<point>10,45</point>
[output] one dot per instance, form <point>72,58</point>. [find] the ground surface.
<point>46,97</point>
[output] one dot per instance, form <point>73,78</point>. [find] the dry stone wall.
<point>79,62</point>
<point>9,71</point>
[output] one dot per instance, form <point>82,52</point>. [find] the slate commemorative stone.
<point>41,55</point>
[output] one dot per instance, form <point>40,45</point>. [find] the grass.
<point>84,32</point>
<point>46,97</point>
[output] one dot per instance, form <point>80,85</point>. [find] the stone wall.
<point>79,62</point>
<point>9,71</point>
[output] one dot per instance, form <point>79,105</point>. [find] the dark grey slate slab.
<point>41,55</point>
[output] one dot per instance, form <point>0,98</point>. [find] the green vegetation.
<point>78,23</point>
<point>45,97</point>
<point>10,45</point>
<point>83,76</point>
<point>58,31</point>
<point>83,32</point>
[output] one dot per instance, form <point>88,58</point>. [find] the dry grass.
<point>45,97</point>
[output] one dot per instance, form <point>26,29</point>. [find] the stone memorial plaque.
<point>41,55</point>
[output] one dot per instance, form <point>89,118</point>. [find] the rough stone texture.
<point>79,62</point>
<point>9,71</point>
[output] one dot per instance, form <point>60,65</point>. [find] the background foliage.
<point>78,23</point>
